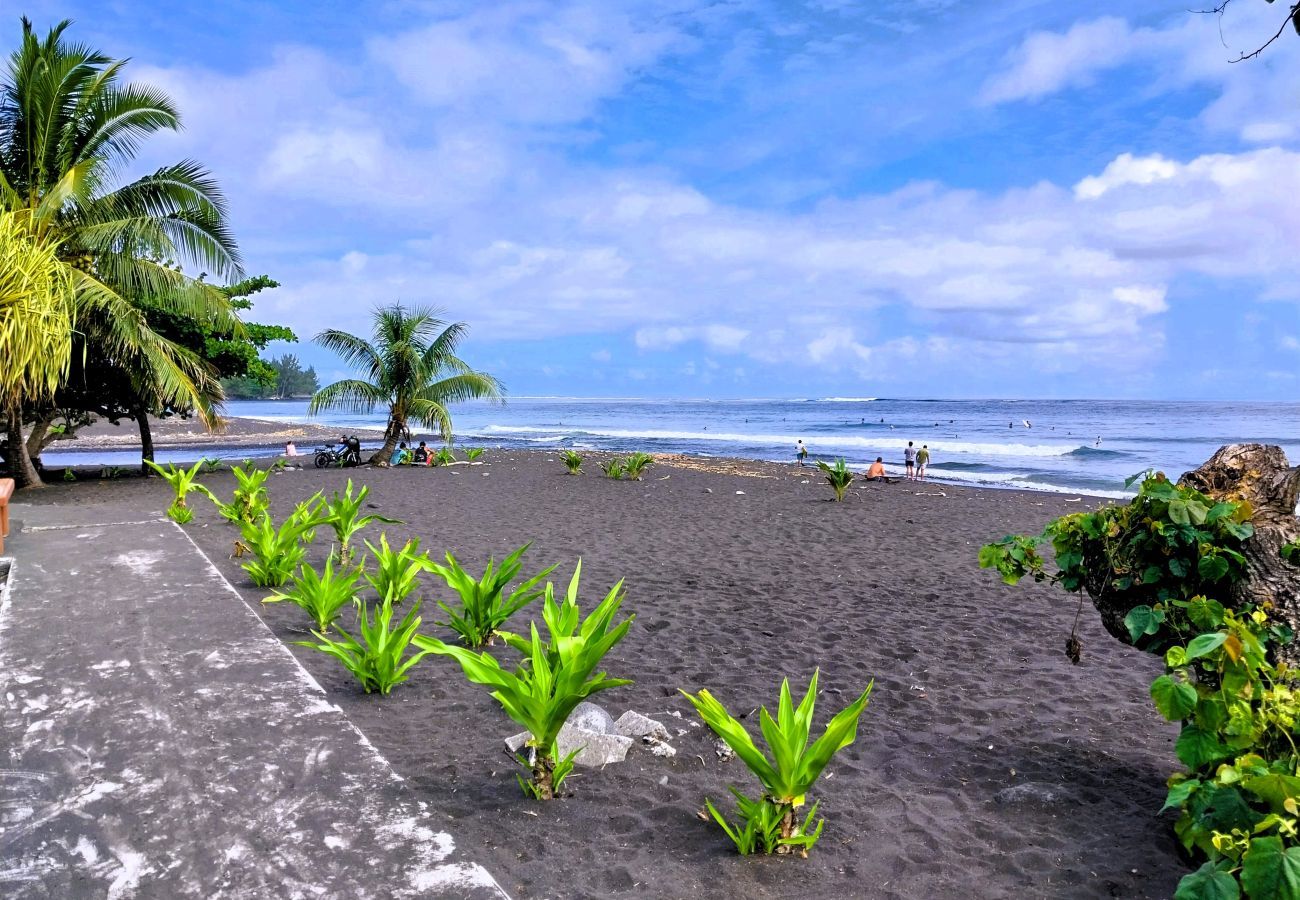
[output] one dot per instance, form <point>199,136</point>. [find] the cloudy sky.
<point>760,198</point>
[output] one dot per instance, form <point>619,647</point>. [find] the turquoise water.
<point>1040,444</point>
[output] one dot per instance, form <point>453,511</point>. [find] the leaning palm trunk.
<point>392,436</point>
<point>21,468</point>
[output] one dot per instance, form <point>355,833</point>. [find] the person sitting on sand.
<point>922,460</point>
<point>290,448</point>
<point>421,454</point>
<point>800,451</point>
<point>877,470</point>
<point>403,456</point>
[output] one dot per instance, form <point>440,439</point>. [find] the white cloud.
<point>1048,62</point>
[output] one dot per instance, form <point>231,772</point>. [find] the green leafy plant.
<point>111,473</point>
<point>396,572</point>
<point>278,551</point>
<point>321,594</point>
<point>838,477</point>
<point>484,604</point>
<point>791,772</point>
<point>69,475</point>
<point>612,468</point>
<point>211,466</point>
<point>473,453</point>
<point>635,464</point>
<point>378,659</point>
<point>572,461</point>
<point>342,513</point>
<point>443,456</point>
<point>183,484</point>
<point>554,676</point>
<point>250,499</point>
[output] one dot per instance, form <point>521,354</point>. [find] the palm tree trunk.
<point>392,434</point>
<point>141,416</point>
<point>21,468</point>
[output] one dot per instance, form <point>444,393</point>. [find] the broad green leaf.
<point>1178,568</point>
<point>1274,789</point>
<point>1209,882</point>
<point>1179,793</point>
<point>1142,620</point>
<point>1178,512</point>
<point>1205,643</point>
<point>1212,568</point>
<point>1174,699</point>
<point>1205,613</point>
<point>1270,872</point>
<point>1197,748</point>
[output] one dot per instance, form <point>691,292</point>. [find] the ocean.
<point>1083,446</point>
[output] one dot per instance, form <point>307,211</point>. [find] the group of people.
<point>405,456</point>
<point>915,462</point>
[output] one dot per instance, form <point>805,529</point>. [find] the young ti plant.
<point>396,571</point>
<point>635,465</point>
<point>838,476</point>
<point>484,604</point>
<point>342,513</point>
<point>321,594</point>
<point>278,551</point>
<point>612,468</point>
<point>250,499</point>
<point>553,678</point>
<point>790,773</point>
<point>183,484</point>
<point>376,660</point>
<point>572,461</point>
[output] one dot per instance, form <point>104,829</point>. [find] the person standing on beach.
<point>909,461</point>
<point>922,460</point>
<point>800,451</point>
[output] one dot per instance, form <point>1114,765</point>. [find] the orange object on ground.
<point>6,491</point>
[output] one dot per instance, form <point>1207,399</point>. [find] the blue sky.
<point>904,198</point>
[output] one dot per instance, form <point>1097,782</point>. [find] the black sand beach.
<point>986,765</point>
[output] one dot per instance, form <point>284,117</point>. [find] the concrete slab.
<point>156,740</point>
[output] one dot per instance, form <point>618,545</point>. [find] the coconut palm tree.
<point>36,310</point>
<point>411,366</point>
<point>68,124</point>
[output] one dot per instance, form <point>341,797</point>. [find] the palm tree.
<point>411,366</point>
<point>36,309</point>
<point>67,125</point>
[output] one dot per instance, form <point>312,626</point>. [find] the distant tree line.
<point>281,378</point>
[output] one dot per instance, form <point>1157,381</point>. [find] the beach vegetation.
<point>554,676</point>
<point>838,476</point>
<point>410,365</point>
<point>1176,556</point>
<point>183,482</point>
<point>396,572</point>
<point>276,552</point>
<point>572,461</point>
<point>69,475</point>
<point>473,453</point>
<point>635,464</point>
<point>444,457</point>
<point>484,604</point>
<point>376,657</point>
<point>788,775</point>
<point>250,499</point>
<point>111,473</point>
<point>211,466</point>
<point>613,468</point>
<point>69,125</point>
<point>342,513</point>
<point>322,595</point>
<point>278,378</point>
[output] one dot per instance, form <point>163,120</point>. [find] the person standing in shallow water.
<point>922,460</point>
<point>800,451</point>
<point>909,461</point>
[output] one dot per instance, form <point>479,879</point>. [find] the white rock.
<point>633,724</point>
<point>590,717</point>
<point>658,748</point>
<point>596,749</point>
<point>740,493</point>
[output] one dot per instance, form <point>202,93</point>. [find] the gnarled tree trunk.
<point>1260,475</point>
<point>21,468</point>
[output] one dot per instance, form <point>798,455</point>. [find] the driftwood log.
<point>1260,475</point>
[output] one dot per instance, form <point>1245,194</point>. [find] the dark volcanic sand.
<point>973,693</point>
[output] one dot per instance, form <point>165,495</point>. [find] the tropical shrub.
<point>838,477</point>
<point>250,499</point>
<point>342,513</point>
<point>443,456</point>
<point>612,468</point>
<point>572,461</point>
<point>278,551</point>
<point>771,822</point>
<point>473,453</point>
<point>211,466</point>
<point>484,604</point>
<point>396,571</point>
<point>554,676</point>
<point>321,594</point>
<point>183,483</point>
<point>1175,554</point>
<point>377,659</point>
<point>635,464</point>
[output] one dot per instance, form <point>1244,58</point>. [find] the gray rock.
<point>723,749</point>
<point>659,748</point>
<point>597,748</point>
<point>590,717</point>
<point>634,725</point>
<point>1030,792</point>
<point>516,742</point>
